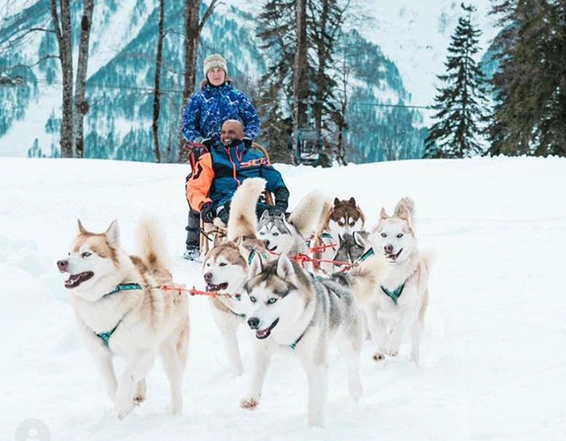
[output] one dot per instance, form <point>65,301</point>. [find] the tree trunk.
<point>64,38</point>
<point>300,80</point>
<point>193,29</point>
<point>157,84</point>
<point>81,104</point>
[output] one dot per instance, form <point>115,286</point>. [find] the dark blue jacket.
<point>207,110</point>
<point>218,174</point>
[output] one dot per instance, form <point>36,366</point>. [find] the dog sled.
<point>212,234</point>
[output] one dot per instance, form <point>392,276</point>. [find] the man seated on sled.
<point>228,163</point>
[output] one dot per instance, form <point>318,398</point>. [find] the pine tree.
<point>461,104</point>
<point>310,76</point>
<point>530,84</point>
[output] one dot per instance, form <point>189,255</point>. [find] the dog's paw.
<point>378,357</point>
<point>122,410</point>
<point>249,403</point>
<point>356,391</point>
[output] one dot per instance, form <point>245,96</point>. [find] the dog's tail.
<point>152,250</point>
<point>405,205</point>
<point>368,276</point>
<point>243,221</point>
<point>309,215</point>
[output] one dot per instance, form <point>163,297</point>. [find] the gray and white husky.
<point>292,310</point>
<point>291,236</point>
<point>120,311</point>
<point>225,267</point>
<point>400,302</point>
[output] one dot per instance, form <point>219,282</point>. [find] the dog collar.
<point>394,295</point>
<point>124,287</point>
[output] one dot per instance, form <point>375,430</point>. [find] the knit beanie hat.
<point>214,60</point>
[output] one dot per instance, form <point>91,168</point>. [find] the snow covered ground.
<point>494,365</point>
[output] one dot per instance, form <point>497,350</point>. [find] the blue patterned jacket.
<point>207,109</point>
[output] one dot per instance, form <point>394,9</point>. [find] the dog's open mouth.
<point>273,248</point>
<point>75,280</point>
<point>210,287</point>
<point>265,333</point>
<point>394,257</point>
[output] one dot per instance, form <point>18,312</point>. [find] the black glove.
<point>206,141</point>
<point>206,212</point>
<point>223,213</point>
<point>275,210</point>
<point>282,198</point>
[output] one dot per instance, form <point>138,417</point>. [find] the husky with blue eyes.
<point>291,236</point>
<point>291,310</point>
<point>400,302</point>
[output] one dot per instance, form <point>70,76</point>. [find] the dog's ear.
<point>284,267</point>
<point>256,266</point>
<point>82,230</point>
<point>352,202</point>
<point>113,234</point>
<point>264,216</point>
<point>359,240</point>
<point>383,214</point>
<point>336,202</point>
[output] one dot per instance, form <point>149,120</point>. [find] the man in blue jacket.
<point>219,172</point>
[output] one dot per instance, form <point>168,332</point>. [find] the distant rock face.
<point>121,68</point>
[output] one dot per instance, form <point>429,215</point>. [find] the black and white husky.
<point>291,236</point>
<point>294,311</point>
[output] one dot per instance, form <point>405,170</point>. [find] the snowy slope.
<point>415,35</point>
<point>493,360</point>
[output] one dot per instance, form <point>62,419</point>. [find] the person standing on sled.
<point>219,172</point>
<point>216,101</point>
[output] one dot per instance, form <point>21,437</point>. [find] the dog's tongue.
<point>263,334</point>
<point>72,281</point>
<point>75,280</point>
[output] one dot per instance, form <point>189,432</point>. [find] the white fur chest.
<point>100,316</point>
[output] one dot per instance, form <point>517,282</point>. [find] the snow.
<point>493,363</point>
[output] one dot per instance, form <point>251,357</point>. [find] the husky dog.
<point>226,266</point>
<point>401,300</point>
<point>290,236</point>
<point>119,312</point>
<point>292,310</point>
<point>352,247</point>
<point>343,219</point>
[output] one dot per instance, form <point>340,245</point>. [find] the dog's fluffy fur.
<point>291,236</point>
<point>226,265</point>
<point>395,238</point>
<point>147,322</point>
<point>342,220</point>
<point>294,311</point>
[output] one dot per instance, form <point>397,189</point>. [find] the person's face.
<point>216,76</point>
<point>231,131</point>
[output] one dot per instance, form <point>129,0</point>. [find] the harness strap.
<point>105,336</point>
<point>366,255</point>
<point>394,295</point>
<point>124,287</point>
<point>294,345</point>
